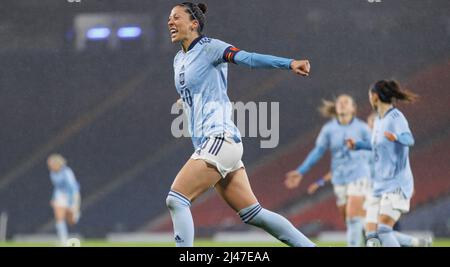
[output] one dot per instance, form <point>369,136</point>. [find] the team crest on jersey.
<point>182,75</point>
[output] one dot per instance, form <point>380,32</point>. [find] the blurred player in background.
<point>371,219</point>
<point>350,170</point>
<point>201,81</point>
<point>392,178</point>
<point>66,195</point>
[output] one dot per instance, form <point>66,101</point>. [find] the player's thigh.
<point>355,206</point>
<point>372,212</point>
<point>235,189</point>
<point>356,195</point>
<point>392,206</point>
<point>70,217</point>
<point>387,220</point>
<point>59,212</point>
<point>194,178</point>
<point>342,210</point>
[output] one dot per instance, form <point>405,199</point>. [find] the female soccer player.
<point>201,81</point>
<point>372,212</point>
<point>66,195</point>
<point>350,170</point>
<point>392,177</point>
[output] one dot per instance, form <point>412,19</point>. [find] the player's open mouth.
<point>173,32</point>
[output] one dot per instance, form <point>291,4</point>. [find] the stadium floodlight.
<point>129,32</point>
<point>98,33</point>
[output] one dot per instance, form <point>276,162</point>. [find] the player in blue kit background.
<point>393,183</point>
<point>350,171</point>
<point>66,195</point>
<point>201,80</point>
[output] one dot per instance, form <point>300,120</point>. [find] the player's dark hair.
<point>390,90</point>
<point>196,12</point>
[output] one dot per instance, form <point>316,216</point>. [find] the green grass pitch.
<point>199,243</point>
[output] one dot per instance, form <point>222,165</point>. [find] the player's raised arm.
<point>261,61</point>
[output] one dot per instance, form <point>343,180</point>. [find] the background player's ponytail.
<point>197,12</point>
<point>390,90</point>
<point>328,109</point>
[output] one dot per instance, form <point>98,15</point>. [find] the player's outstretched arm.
<point>294,177</point>
<point>359,145</point>
<point>261,61</point>
<point>405,139</point>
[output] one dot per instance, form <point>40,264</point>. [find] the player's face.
<point>373,99</point>
<point>180,24</point>
<point>53,165</point>
<point>345,105</point>
<point>370,121</point>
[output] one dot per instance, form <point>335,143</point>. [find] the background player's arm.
<point>294,177</point>
<point>363,144</point>
<point>72,186</point>
<point>312,188</point>
<point>359,145</point>
<point>405,138</point>
<point>399,132</point>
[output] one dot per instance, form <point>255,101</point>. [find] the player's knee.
<point>175,199</point>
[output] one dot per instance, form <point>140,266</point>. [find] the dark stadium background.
<point>108,111</point>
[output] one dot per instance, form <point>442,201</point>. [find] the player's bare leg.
<point>192,180</point>
<point>235,189</point>
<point>355,220</point>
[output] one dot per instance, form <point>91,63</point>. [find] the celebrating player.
<point>350,169</point>
<point>201,81</point>
<point>392,178</point>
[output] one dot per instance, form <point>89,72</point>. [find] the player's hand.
<point>293,179</point>
<point>312,188</point>
<point>301,67</point>
<point>390,136</point>
<point>350,143</point>
<point>179,103</point>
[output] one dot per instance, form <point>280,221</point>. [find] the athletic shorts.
<point>392,204</point>
<point>356,188</point>
<point>61,199</point>
<point>221,151</point>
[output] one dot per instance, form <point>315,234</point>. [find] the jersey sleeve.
<point>400,127</point>
<point>317,153</point>
<point>261,61</point>
<point>71,181</point>
<point>323,139</point>
<point>221,51</point>
<point>366,133</point>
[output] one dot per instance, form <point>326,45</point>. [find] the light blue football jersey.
<point>201,82</point>
<point>64,182</point>
<point>391,159</point>
<point>346,165</point>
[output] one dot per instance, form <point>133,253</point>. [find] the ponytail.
<point>390,90</point>
<point>328,109</point>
